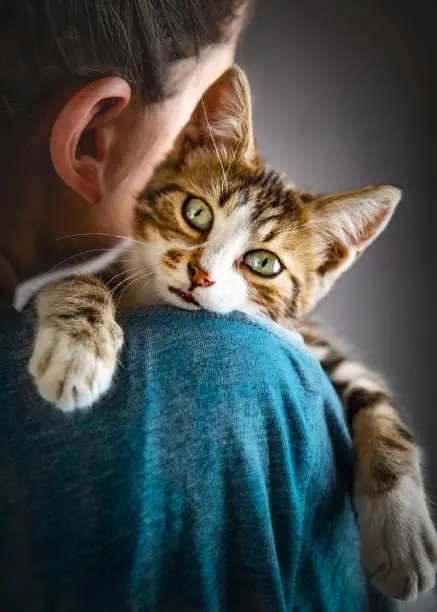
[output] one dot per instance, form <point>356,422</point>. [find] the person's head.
<point>92,96</point>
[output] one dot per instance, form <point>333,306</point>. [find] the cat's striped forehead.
<point>269,203</point>
<point>275,206</point>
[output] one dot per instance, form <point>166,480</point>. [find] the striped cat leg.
<point>77,343</point>
<point>399,542</point>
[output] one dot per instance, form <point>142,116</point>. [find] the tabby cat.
<point>218,230</point>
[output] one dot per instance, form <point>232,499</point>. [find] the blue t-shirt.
<point>215,476</point>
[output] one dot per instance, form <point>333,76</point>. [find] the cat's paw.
<point>74,371</point>
<point>398,540</point>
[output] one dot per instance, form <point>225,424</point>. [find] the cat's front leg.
<point>399,541</point>
<point>77,343</point>
<point>398,537</point>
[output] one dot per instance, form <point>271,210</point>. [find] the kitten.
<point>218,230</point>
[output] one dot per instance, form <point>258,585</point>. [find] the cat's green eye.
<point>198,214</point>
<point>264,263</point>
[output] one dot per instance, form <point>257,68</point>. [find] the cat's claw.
<point>74,373</point>
<point>398,539</point>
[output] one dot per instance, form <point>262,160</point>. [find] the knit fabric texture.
<point>215,476</point>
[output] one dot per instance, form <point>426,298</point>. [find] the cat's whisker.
<point>142,275</point>
<point>121,237</point>
<point>123,272</point>
<point>234,156</point>
<point>128,285</point>
<point>215,145</point>
<point>129,280</point>
<point>79,254</point>
<point>144,287</point>
<point>131,272</point>
<point>127,277</point>
<point>113,291</point>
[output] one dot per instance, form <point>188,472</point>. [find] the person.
<point>216,473</point>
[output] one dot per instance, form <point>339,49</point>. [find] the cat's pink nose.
<point>199,277</point>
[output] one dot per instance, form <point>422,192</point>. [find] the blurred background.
<point>343,93</point>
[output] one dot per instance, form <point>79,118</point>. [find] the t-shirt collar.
<point>31,287</point>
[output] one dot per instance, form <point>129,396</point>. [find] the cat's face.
<point>218,230</point>
<point>225,244</point>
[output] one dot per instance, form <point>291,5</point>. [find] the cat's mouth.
<point>187,296</point>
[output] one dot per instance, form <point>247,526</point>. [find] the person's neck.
<point>21,215</point>
<point>8,279</point>
<point>44,227</point>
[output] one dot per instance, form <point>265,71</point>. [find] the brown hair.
<point>45,43</point>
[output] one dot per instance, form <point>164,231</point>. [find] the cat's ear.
<point>346,224</point>
<point>223,117</point>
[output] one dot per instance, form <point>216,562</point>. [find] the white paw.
<point>398,540</point>
<point>73,373</point>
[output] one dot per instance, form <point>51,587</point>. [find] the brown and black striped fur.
<point>384,445</point>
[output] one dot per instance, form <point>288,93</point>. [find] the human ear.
<point>83,133</point>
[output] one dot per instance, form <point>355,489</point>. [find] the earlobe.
<point>87,116</point>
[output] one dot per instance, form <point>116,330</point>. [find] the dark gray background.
<point>343,95</point>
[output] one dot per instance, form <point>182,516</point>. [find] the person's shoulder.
<point>228,331</point>
<point>235,344</point>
